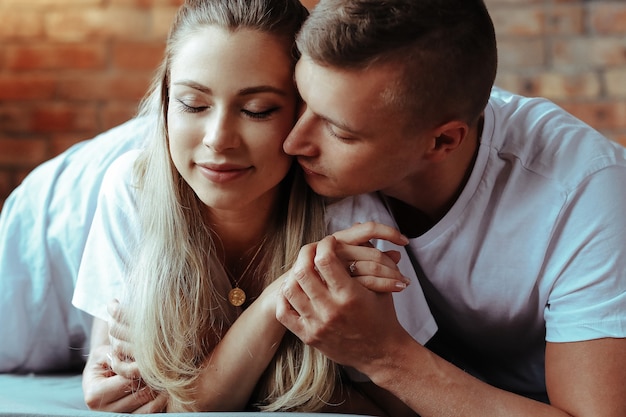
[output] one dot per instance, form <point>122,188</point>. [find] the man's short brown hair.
<point>445,51</point>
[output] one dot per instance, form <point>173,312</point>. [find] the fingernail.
<point>406,239</point>
<point>400,285</point>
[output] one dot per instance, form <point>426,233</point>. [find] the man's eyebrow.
<point>243,92</point>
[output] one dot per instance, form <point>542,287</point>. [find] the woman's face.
<point>232,103</point>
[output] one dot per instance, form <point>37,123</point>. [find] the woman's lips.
<point>221,173</point>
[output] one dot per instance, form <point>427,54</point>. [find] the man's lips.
<point>308,171</point>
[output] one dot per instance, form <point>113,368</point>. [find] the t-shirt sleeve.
<point>588,299</point>
<point>113,236</point>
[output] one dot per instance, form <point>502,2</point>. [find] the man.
<point>514,210</point>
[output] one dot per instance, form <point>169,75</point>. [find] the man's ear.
<point>447,138</point>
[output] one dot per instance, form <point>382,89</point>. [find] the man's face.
<point>349,139</point>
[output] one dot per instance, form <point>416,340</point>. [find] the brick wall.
<point>571,51</point>
<point>70,69</point>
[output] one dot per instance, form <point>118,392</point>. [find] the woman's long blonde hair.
<point>177,285</point>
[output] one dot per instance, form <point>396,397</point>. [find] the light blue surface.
<point>62,395</point>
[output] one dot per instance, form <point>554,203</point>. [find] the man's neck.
<point>420,204</point>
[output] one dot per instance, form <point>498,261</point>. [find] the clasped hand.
<point>345,260</point>
<point>325,307</point>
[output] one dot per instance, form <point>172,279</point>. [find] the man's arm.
<point>358,328</point>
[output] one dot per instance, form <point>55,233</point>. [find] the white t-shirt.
<point>115,231</point>
<point>43,228</point>
<point>533,250</point>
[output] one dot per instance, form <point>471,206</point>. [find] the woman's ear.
<point>447,138</point>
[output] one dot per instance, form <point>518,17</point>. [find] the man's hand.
<point>328,309</point>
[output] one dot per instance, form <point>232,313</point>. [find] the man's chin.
<point>330,193</point>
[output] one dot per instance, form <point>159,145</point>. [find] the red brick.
<point>608,115</point>
<point>553,85</point>
<point>495,3</point>
<point>619,137</point>
<point>64,118</point>
<point>161,19</point>
<point>608,18</point>
<point>7,184</point>
<point>520,21</point>
<point>138,56</point>
<point>146,3</point>
<point>48,4</point>
<point>46,57</point>
<point>521,53</point>
<point>114,114</point>
<point>26,87</point>
<point>20,24</point>
<point>589,52</point>
<point>105,87</point>
<point>14,119</point>
<point>565,20</point>
<point>62,142</point>
<point>46,117</point>
<point>103,23</point>
<point>20,152</point>
<point>616,82</point>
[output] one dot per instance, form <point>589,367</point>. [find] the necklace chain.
<point>237,296</point>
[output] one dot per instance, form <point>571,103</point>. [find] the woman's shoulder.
<point>120,180</point>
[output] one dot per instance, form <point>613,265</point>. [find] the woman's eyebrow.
<point>261,89</point>
<point>195,85</point>
<point>243,92</point>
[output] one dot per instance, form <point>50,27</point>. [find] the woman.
<point>202,222</point>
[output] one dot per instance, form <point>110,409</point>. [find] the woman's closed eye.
<point>264,114</point>
<point>190,108</point>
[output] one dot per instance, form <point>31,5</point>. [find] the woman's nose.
<point>220,132</point>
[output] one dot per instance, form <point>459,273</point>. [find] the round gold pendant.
<point>237,296</point>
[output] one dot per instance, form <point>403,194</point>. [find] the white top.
<point>43,228</point>
<point>534,249</point>
<point>115,231</point>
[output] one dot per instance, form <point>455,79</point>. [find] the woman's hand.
<point>375,270</point>
<point>105,390</point>
<point>122,356</point>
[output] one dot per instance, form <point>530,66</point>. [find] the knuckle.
<point>93,401</point>
<point>377,269</point>
<point>369,227</point>
<point>323,260</point>
<point>378,256</point>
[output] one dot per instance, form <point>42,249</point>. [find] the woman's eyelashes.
<point>253,114</point>
<point>263,114</point>
<point>188,108</point>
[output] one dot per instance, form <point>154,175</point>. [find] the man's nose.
<point>300,141</point>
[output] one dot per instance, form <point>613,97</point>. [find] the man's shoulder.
<point>547,140</point>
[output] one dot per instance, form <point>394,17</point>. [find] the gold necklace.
<point>237,296</point>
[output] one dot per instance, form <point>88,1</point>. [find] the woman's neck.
<point>238,231</point>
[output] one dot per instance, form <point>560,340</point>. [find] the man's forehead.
<point>346,91</point>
